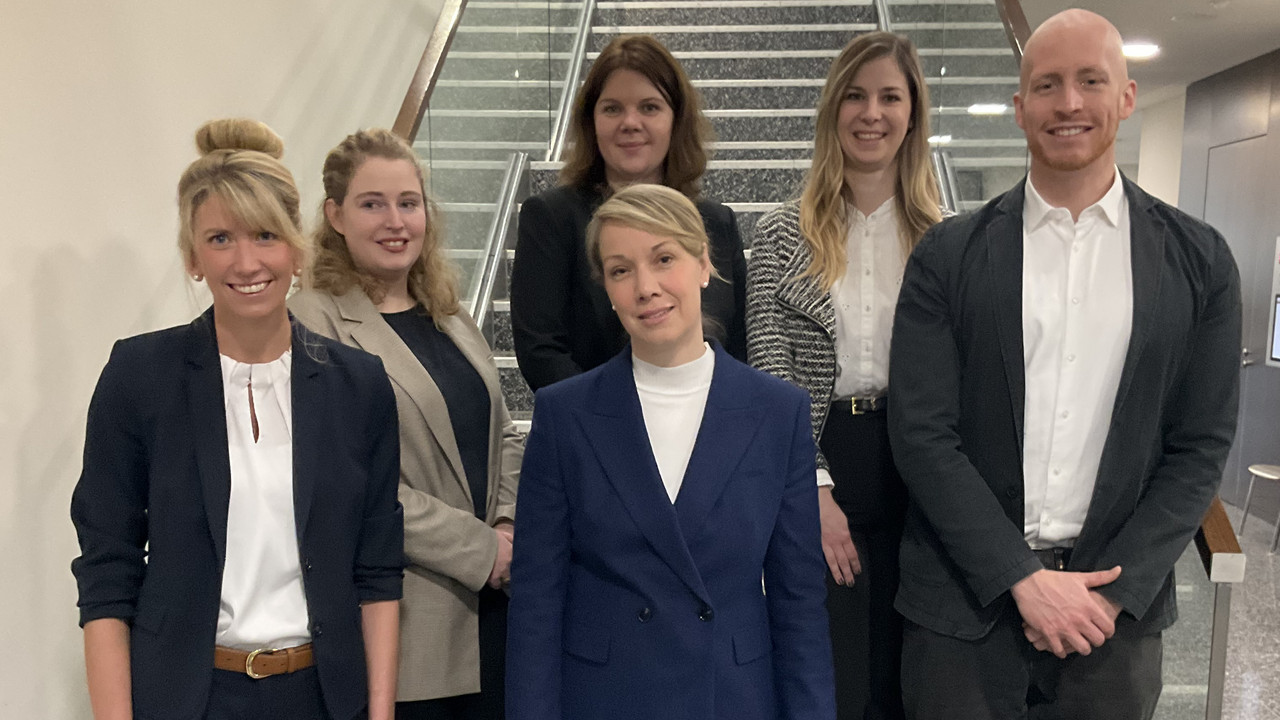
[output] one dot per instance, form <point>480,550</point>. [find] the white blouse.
<point>672,400</point>
<point>263,604</point>
<point>864,299</point>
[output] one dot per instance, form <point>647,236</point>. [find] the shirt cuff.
<point>824,479</point>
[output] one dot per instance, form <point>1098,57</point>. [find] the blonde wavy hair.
<point>823,204</point>
<point>240,164</point>
<point>433,281</point>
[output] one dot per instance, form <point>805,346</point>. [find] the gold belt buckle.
<point>248,662</point>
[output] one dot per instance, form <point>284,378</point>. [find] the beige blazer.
<point>449,551</point>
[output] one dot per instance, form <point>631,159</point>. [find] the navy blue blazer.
<point>625,605</point>
<point>957,401</point>
<point>150,508</point>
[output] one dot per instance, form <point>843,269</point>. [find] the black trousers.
<point>866,632</point>
<point>1002,677</point>
<point>295,696</point>
<point>490,702</point>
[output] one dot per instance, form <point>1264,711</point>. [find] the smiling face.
<point>633,129</point>
<point>874,117</point>
<point>248,269</point>
<point>1074,92</point>
<point>655,286</point>
<point>383,218</point>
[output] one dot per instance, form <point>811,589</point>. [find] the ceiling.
<point>1197,38</point>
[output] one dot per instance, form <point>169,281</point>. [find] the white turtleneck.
<point>672,400</point>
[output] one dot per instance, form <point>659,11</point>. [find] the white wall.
<point>101,101</point>
<point>1160,151</point>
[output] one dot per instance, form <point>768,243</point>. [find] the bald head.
<point>1071,27</point>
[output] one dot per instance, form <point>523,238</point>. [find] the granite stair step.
<point>693,38</point>
<point>779,12</point>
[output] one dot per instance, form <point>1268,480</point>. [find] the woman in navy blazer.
<point>172,484</point>
<point>636,584</point>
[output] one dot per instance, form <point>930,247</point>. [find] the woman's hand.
<point>837,543</point>
<point>501,573</point>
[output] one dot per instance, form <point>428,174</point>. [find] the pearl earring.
<point>197,277</point>
<point>705,284</point>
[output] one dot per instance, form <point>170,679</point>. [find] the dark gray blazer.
<point>956,415</point>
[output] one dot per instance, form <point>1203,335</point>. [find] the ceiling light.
<point>940,140</point>
<point>1141,51</point>
<point>988,109</point>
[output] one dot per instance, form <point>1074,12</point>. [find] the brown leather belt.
<point>860,405</point>
<point>263,663</point>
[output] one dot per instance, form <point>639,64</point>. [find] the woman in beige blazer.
<point>379,282</point>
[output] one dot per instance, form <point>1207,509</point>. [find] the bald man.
<point>1064,395</point>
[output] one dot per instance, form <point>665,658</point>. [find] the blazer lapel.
<point>802,293</point>
<point>1146,243</point>
<point>614,426</point>
<point>310,412</point>
<point>1004,263</point>
<point>207,405</point>
<point>729,424</point>
<point>372,334</point>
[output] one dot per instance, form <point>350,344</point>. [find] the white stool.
<point>1266,472</point>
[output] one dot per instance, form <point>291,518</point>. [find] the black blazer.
<point>150,508</point>
<point>561,318</point>
<point>956,415</point>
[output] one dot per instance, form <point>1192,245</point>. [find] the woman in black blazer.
<point>637,119</point>
<point>240,537</point>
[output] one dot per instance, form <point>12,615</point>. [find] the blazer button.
<point>316,631</point>
<point>706,614</point>
<point>644,615</point>
<point>306,566</point>
<point>1011,492</point>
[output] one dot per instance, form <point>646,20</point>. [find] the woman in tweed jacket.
<point>822,286</point>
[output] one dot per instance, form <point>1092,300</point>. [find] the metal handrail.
<point>882,15</point>
<point>499,227</point>
<point>571,79</point>
<point>1016,27</point>
<point>946,176</point>
<point>424,78</point>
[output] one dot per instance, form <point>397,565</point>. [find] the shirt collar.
<point>1036,209</point>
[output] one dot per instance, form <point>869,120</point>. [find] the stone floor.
<point>1253,654</point>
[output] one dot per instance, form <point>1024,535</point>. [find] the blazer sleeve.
<point>732,265</point>
<point>109,503</point>
<point>380,554</point>
<point>541,291</point>
<point>769,347</point>
<point>539,573</point>
<point>794,576</point>
<point>512,454</point>
<point>924,421</point>
<point>1197,434</point>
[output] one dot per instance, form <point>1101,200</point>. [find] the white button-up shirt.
<point>865,298</point>
<point>1077,314</point>
<point>263,603</point>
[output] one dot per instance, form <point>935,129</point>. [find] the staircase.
<point>760,65</point>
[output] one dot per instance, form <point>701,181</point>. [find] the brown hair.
<point>240,163</point>
<point>823,220</point>
<point>686,159</point>
<point>432,279</point>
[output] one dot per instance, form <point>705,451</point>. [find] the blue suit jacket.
<point>625,605</point>
<point>150,508</point>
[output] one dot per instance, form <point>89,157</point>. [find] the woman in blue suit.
<point>240,537</point>
<point>657,490</point>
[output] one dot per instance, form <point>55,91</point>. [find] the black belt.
<point>1054,558</point>
<point>860,405</point>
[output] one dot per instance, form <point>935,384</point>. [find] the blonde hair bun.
<point>239,134</point>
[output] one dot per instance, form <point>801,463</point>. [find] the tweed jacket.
<point>791,321</point>
<point>450,552</point>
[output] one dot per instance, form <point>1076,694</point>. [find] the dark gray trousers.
<point>1002,677</point>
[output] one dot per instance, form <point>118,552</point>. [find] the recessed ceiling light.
<point>939,139</point>
<point>988,109</point>
<point>1141,51</point>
